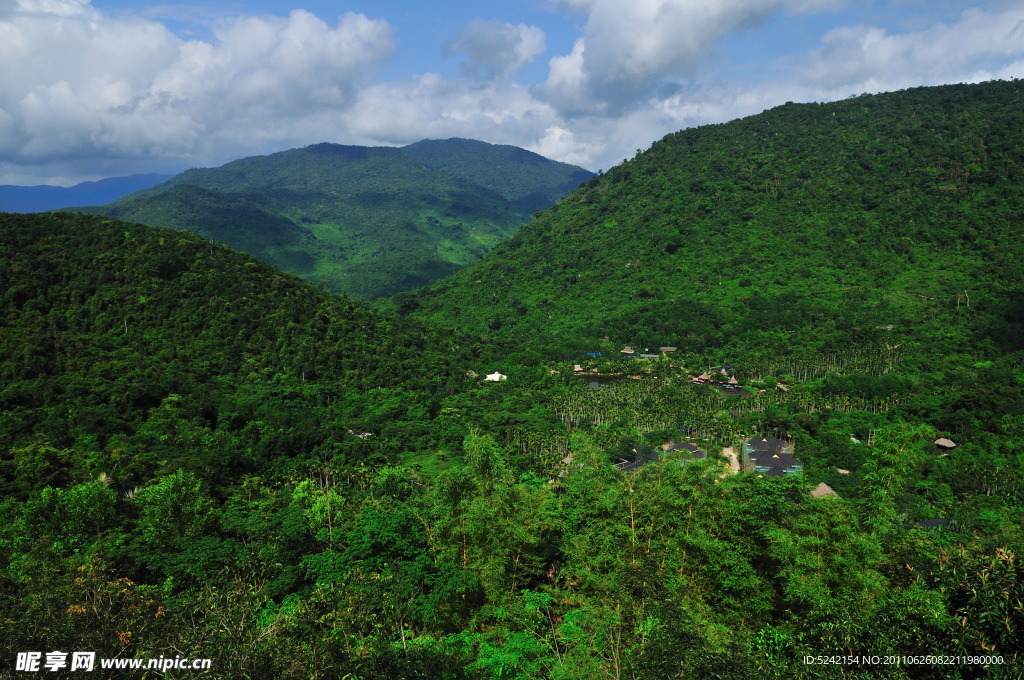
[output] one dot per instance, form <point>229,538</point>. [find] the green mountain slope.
<point>103,322</point>
<point>201,455</point>
<point>803,227</point>
<point>529,180</point>
<point>364,221</point>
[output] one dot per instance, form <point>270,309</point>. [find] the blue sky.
<point>112,87</point>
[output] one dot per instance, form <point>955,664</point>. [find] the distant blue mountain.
<point>42,198</point>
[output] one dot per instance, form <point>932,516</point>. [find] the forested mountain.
<point>204,456</point>
<point>529,180</point>
<point>360,220</point>
<point>42,198</point>
<point>806,226</point>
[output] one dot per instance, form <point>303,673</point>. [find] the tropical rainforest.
<point>202,455</point>
<point>365,221</point>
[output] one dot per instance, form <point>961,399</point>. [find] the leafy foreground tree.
<point>681,571</point>
<point>204,457</point>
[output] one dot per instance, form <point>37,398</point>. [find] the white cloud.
<point>132,88</point>
<point>630,47</point>
<point>495,48</point>
<point>870,59</point>
<point>566,86</point>
<point>126,95</point>
<point>432,107</point>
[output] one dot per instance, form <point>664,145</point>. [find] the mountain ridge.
<point>42,198</point>
<point>804,227</point>
<point>367,221</point>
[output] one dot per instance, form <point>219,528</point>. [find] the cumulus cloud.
<point>130,87</point>
<point>495,48</point>
<point>630,47</point>
<point>126,95</point>
<point>870,59</point>
<point>433,107</point>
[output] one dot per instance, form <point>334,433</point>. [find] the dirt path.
<point>734,462</point>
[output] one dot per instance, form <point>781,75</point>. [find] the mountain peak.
<point>367,221</point>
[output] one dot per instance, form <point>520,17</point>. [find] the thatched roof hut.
<point>824,490</point>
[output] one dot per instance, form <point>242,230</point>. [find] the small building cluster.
<point>629,353</point>
<point>710,377</point>
<point>706,379</point>
<point>936,523</point>
<point>770,456</point>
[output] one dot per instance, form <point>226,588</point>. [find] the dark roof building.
<point>693,451</point>
<point>933,523</point>
<point>643,456</point>
<point>631,465</point>
<point>767,444</point>
<point>771,456</point>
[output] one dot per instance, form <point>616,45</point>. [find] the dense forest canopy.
<point>802,228</point>
<point>531,181</point>
<point>203,455</point>
<point>366,221</point>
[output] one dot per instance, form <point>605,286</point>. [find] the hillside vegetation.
<point>364,221</point>
<point>108,324</point>
<point>529,180</point>
<point>204,456</point>
<point>806,227</point>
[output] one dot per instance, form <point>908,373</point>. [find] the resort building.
<point>770,456</point>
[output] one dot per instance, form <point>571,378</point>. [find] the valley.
<point>752,396</point>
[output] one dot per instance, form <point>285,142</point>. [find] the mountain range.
<point>366,221</point>
<point>28,199</point>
